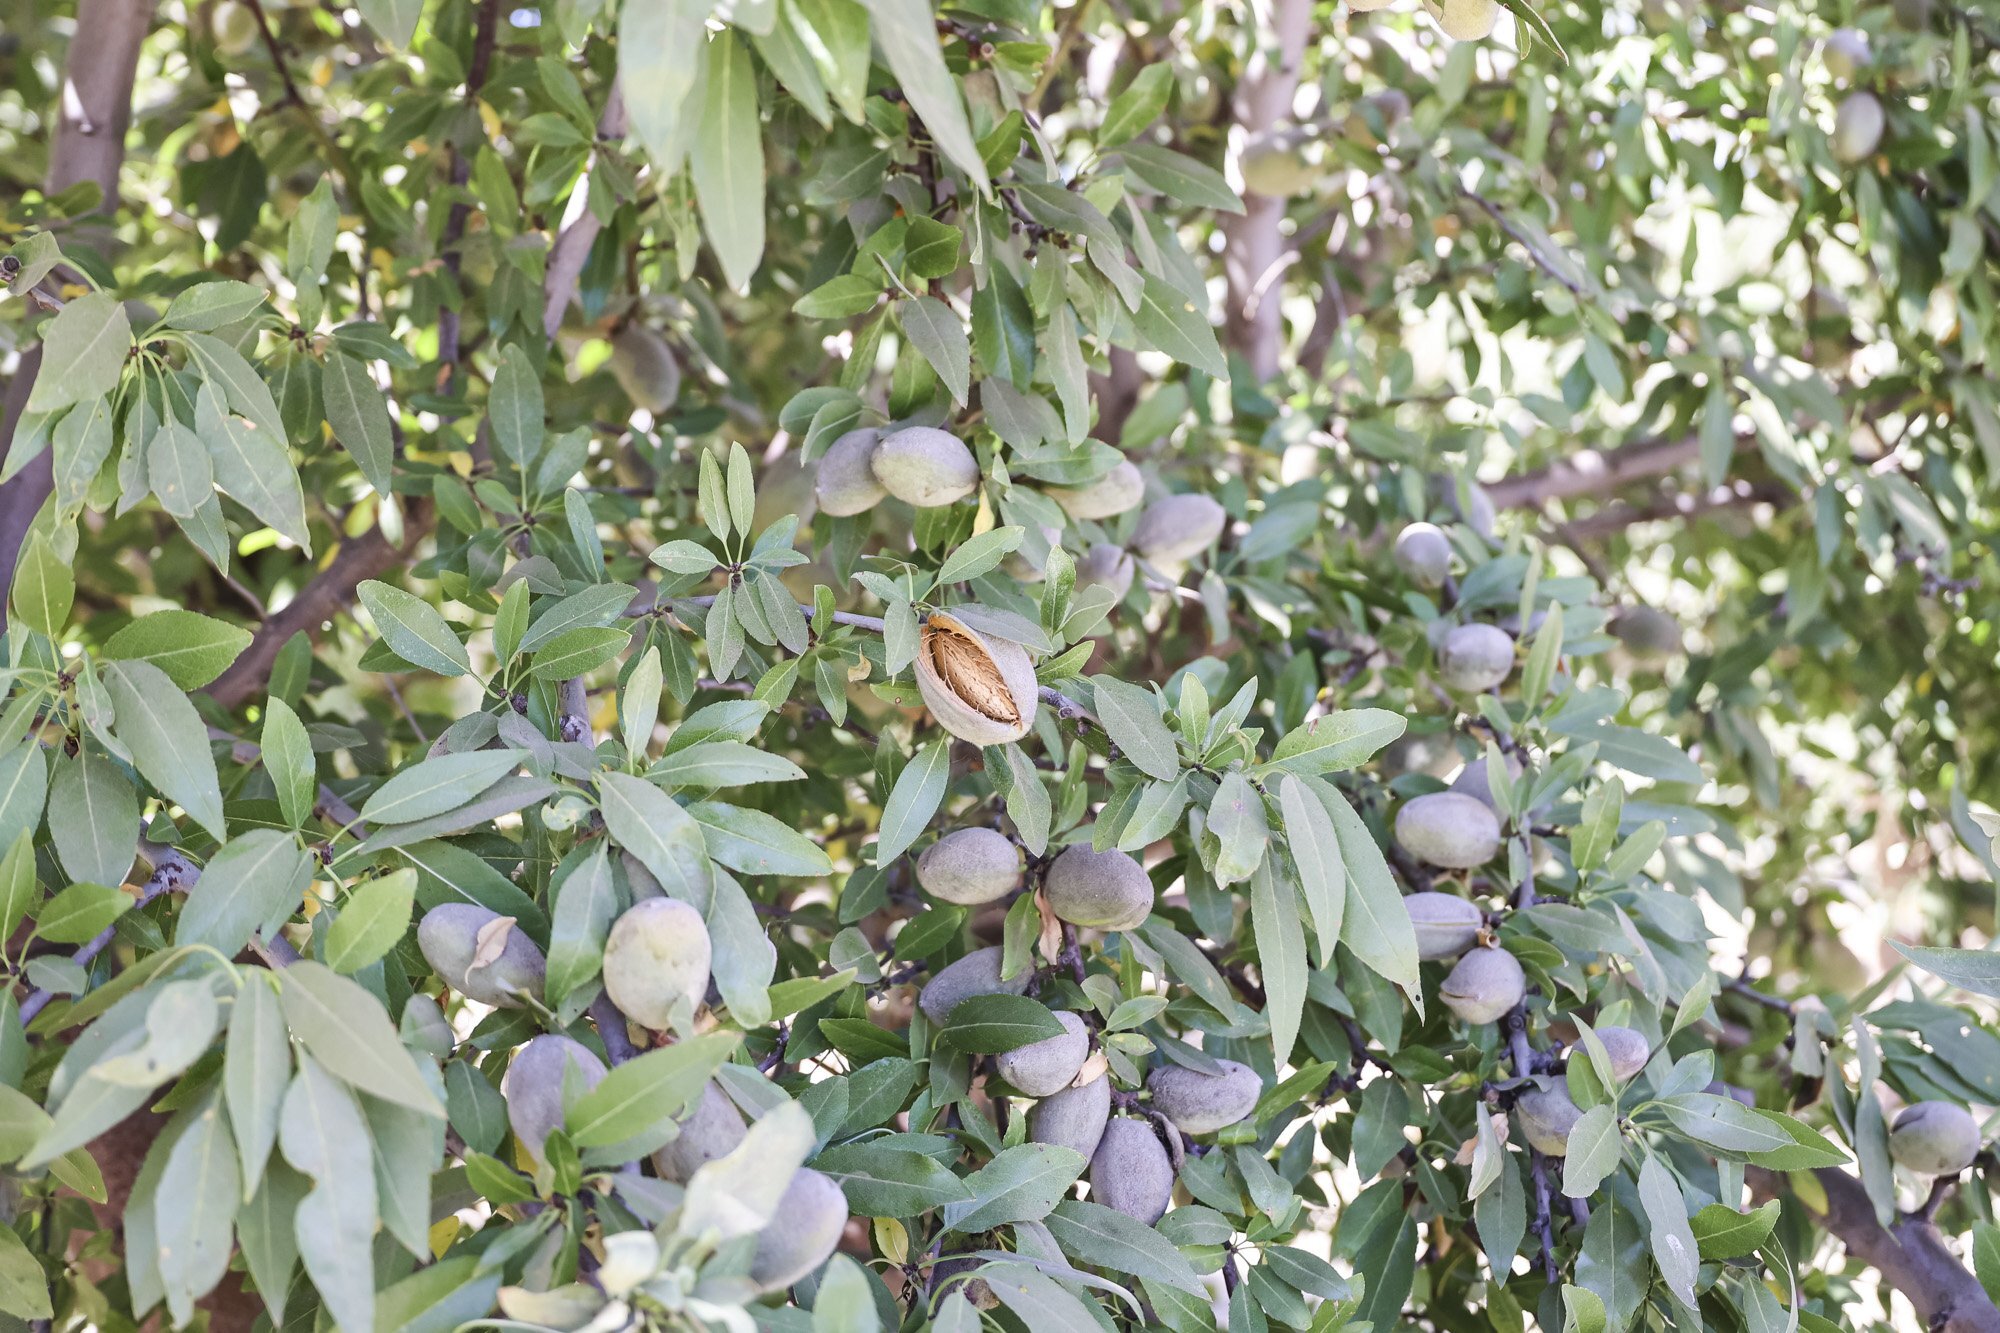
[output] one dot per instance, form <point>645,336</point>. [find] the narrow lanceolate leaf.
<point>1595,1147</point>
<point>1281,955</point>
<point>83,352</point>
<point>640,1093</point>
<point>195,1209</point>
<point>727,159</point>
<point>1020,1184</point>
<point>256,1070</point>
<point>939,334</point>
<point>1376,924</point>
<point>1237,818</point>
<point>1337,741</point>
<point>1315,849</point>
<point>651,825</point>
<point>324,1135</point>
<point>434,786</point>
<point>1968,969</point>
<point>346,1030</point>
<point>1174,324</point>
<point>918,792</point>
<point>193,649</point>
<point>754,843</point>
<point>1674,1248</point>
<point>358,411</point>
<point>168,741</point>
<point>415,630</point>
<point>514,408</point>
<point>288,760</point>
<point>251,464</point>
<point>256,881</point>
<point>586,904</point>
<point>658,45</point>
<point>93,817</point>
<point>44,587</point>
<point>376,916</point>
<point>990,1024</point>
<point>24,790</point>
<point>1116,1243</point>
<point>1131,717</point>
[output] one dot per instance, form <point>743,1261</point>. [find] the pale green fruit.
<point>1484,986</point>
<point>1044,1068</point>
<point>533,1086</point>
<point>1446,924</point>
<point>1628,1048</point>
<point>1647,634</point>
<point>1475,658</point>
<point>1131,1172</point>
<point>236,28</point>
<point>1473,780</point>
<point>970,866</point>
<point>845,484</point>
<point>1202,1103</point>
<point>1464,20</point>
<point>802,1234</point>
<point>1845,52</point>
<point>657,953</point>
<point>979,688</point>
<point>1073,1117</point>
<point>450,937</point>
<point>1366,6</point>
<point>1106,566</point>
<point>1934,1138</point>
<point>423,1027</point>
<point>926,467</point>
<point>1175,530</point>
<point>978,973</point>
<point>1547,1117</point>
<point>712,1129</point>
<point>1107,496</point>
<point>1100,890</point>
<point>1275,165</point>
<point>1857,127</point>
<point>645,368</point>
<point>1448,829</point>
<point>1424,553</point>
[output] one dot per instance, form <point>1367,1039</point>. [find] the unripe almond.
<point>1073,1117</point>
<point>970,866</point>
<point>1201,1103</point>
<point>1100,890</point>
<point>803,1232</point>
<point>926,467</point>
<point>979,688</point>
<point>1857,127</point>
<point>1044,1068</point>
<point>1484,986</point>
<point>1475,781</point>
<point>1106,566</point>
<point>1448,829</point>
<point>1030,563</point>
<point>1475,658</point>
<point>1275,165</point>
<point>1647,634</point>
<point>1131,1172</point>
<point>713,1128</point>
<point>236,28</point>
<point>645,368</point>
<point>978,973</point>
<point>1175,530</point>
<point>1628,1048</point>
<point>845,484</point>
<point>1424,553</point>
<point>1934,1138</point>
<point>1446,924</point>
<point>1845,52</point>
<point>1547,1116</point>
<point>656,954</point>
<point>1464,20</point>
<point>533,1086</point>
<point>423,1027</point>
<point>451,937</point>
<point>1107,496</point>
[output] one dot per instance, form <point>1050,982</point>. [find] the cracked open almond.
<point>980,689</point>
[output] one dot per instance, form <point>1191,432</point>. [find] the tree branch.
<point>1590,472</point>
<point>1257,251</point>
<point>1911,1255</point>
<point>580,227</point>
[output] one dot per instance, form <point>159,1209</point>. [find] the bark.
<point>1257,252</point>
<point>93,113</point>
<point>580,229</point>
<point>1589,472</point>
<point>1910,1254</point>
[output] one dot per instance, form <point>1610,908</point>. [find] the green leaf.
<point>1673,1244</point>
<point>44,587</point>
<point>755,843</point>
<point>990,1024</point>
<point>433,786</point>
<point>1376,926</point>
<point>1315,849</point>
<point>83,352</point>
<point>255,881</point>
<point>195,1209</point>
<point>288,760</point>
<point>17,882</point>
<point>918,792</point>
<point>1336,742</point>
<point>79,912</point>
<point>727,160</point>
<point>415,630</point>
<point>1237,818</point>
<point>191,648</point>
<point>1179,177</point>
<point>1281,956</point>
<point>931,248</point>
<point>1020,1184</point>
<point>376,916</point>
<point>1107,1239</point>
<point>514,407</point>
<point>1131,717</point>
<point>1724,1233</point>
<point>723,764</point>
<point>358,411</point>
<point>578,652</point>
<point>346,1030</point>
<point>1597,827</point>
<point>906,31</point>
<point>839,297</point>
<point>208,306</point>
<point>256,1070</point>
<point>167,738</point>
<point>651,825</point>
<point>938,333</point>
<point>1138,106</point>
<point>93,818</point>
<point>642,1092</point>
<point>249,462</point>
<point>882,1179</point>
<point>593,608</point>
<point>24,1287</point>
<point>179,470</point>
<point>323,1134</point>
<point>1968,969</point>
<point>1595,1149</point>
<point>979,555</point>
<point>1170,322</point>
<point>659,63</point>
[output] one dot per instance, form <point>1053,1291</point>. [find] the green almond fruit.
<point>713,1128</point>
<point>970,866</point>
<point>453,937</point>
<point>1201,1103</point>
<point>1130,1172</point>
<point>925,467</point>
<point>534,1083</point>
<point>1099,890</point>
<point>1448,829</point>
<point>1073,1118</point>
<point>1043,1068</point>
<point>657,955</point>
<point>1484,986</point>
<point>803,1232</point>
<point>978,973</point>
